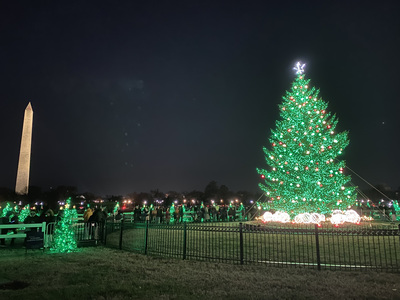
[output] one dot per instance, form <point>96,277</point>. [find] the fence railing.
<point>299,246</point>
<point>6,228</point>
<point>85,233</point>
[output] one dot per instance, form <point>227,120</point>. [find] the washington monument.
<point>22,185</point>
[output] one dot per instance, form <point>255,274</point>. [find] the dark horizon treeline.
<point>50,197</point>
<point>212,191</point>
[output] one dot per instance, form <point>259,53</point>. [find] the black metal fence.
<point>296,245</point>
<point>86,234</point>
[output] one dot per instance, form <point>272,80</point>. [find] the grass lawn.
<point>102,273</point>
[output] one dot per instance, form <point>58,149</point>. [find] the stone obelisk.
<point>22,185</point>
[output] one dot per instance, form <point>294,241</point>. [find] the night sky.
<point>139,95</point>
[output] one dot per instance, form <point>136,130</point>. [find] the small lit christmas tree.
<point>24,213</point>
<point>172,214</point>
<point>64,235</point>
<point>396,209</point>
<point>116,208</point>
<point>304,175</point>
<point>6,209</point>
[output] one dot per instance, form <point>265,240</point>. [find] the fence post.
<point>399,231</point>
<point>146,237</point>
<point>120,234</point>
<point>241,242</point>
<point>184,240</point>
<point>317,245</point>
<point>105,233</point>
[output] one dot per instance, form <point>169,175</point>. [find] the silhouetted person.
<point>32,219</point>
<point>10,218</point>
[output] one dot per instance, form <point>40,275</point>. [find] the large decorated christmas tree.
<point>304,174</point>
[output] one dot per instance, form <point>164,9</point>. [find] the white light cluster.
<point>366,218</point>
<point>276,217</point>
<point>340,217</point>
<point>307,218</point>
<point>299,68</point>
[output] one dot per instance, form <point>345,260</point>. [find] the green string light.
<point>116,208</point>
<point>64,235</point>
<point>24,213</point>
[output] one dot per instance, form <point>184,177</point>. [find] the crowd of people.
<point>183,213</point>
<point>33,217</point>
<point>154,214</point>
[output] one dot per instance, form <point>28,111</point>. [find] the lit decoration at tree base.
<point>278,216</point>
<point>349,216</point>
<point>366,218</point>
<point>307,218</point>
<point>338,217</point>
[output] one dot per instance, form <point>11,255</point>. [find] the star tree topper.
<point>299,68</point>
